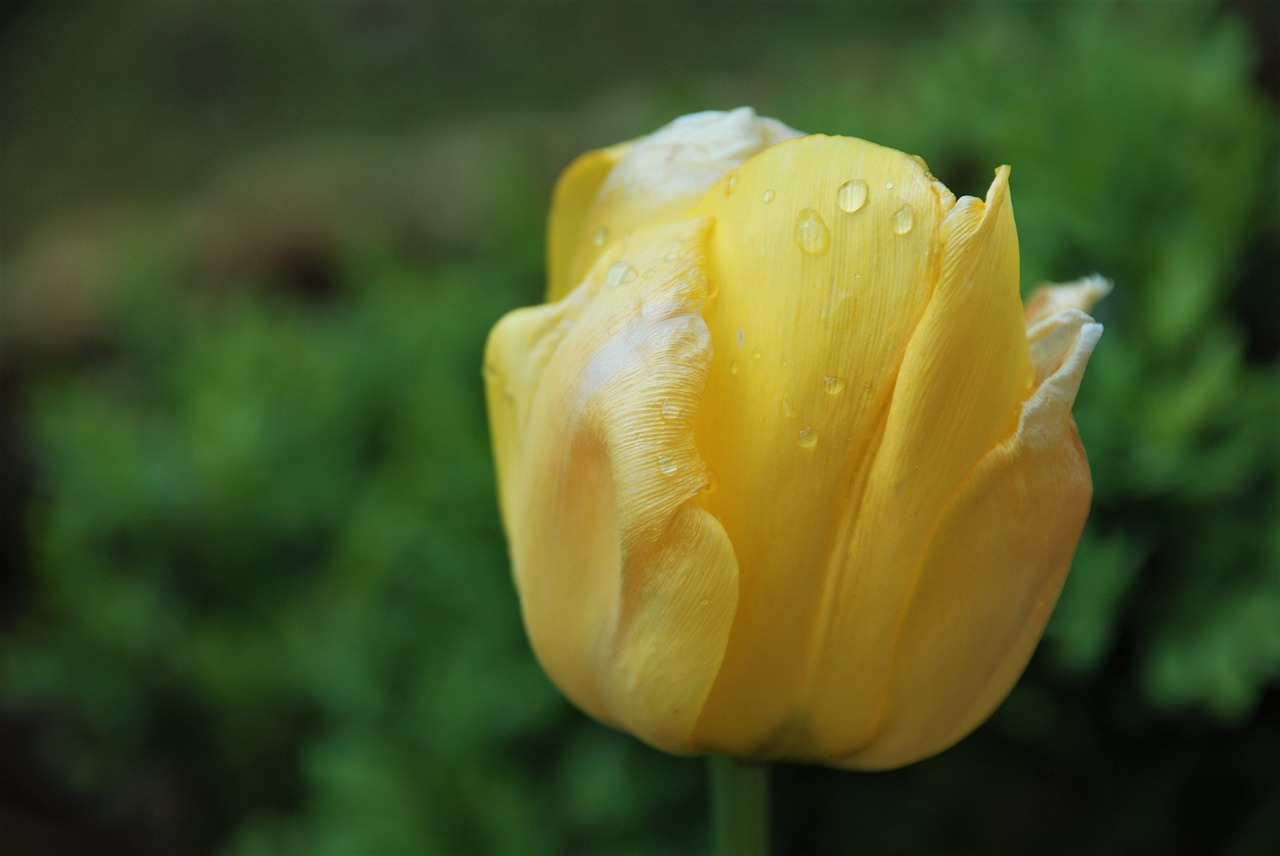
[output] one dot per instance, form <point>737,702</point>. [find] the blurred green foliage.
<point>264,600</point>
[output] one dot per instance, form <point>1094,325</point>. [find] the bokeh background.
<point>254,596</point>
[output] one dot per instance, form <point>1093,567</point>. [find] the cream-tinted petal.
<point>993,571</point>
<point>807,347</point>
<point>659,176</point>
<point>957,395</point>
<point>1081,294</point>
<point>627,586</point>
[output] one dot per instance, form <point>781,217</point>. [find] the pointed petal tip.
<point>998,192</point>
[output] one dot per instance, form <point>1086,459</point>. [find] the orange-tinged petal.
<point>957,395</point>
<point>628,587</point>
<point>815,306</point>
<point>992,573</point>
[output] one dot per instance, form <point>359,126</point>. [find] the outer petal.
<point>628,587</point>
<point>808,340</point>
<point>651,180</point>
<point>958,394</point>
<point>992,573</point>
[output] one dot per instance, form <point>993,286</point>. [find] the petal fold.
<point>957,395</point>
<point>993,571</point>
<point>628,587</point>
<point>818,292</point>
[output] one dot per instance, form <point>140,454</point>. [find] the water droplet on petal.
<point>807,438</point>
<point>620,273</point>
<point>757,353</point>
<point>703,602</point>
<point>667,465</point>
<point>833,385</point>
<point>733,366</point>
<point>888,185</point>
<point>670,411</point>
<point>739,337</point>
<point>602,235</point>
<point>768,196</point>
<point>852,195</point>
<point>903,219</point>
<point>811,233</point>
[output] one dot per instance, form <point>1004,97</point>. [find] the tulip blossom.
<point>788,471</point>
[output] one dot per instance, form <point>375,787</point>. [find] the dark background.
<point>254,597</point>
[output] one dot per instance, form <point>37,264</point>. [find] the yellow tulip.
<point>787,470</point>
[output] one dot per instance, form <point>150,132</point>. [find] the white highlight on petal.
<point>682,160</point>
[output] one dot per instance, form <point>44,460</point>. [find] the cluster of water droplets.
<point>811,230</point>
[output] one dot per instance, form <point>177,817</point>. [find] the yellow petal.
<point>808,328</point>
<point>570,203</point>
<point>651,180</point>
<point>628,587</point>
<point>993,571</point>
<point>957,395</point>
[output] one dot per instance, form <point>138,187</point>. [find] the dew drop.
<point>602,235</point>
<point>670,411</point>
<point>703,602</point>
<point>768,196</point>
<point>667,465</point>
<point>733,366</point>
<point>833,385</point>
<point>757,353</point>
<point>807,438</point>
<point>903,219</point>
<point>888,185</point>
<point>788,409</point>
<point>739,337</point>
<point>811,233</point>
<point>620,273</point>
<point>852,195</point>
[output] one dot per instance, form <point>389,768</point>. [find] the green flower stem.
<point>739,808</point>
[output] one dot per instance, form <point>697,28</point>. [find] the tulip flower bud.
<point>787,470</point>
